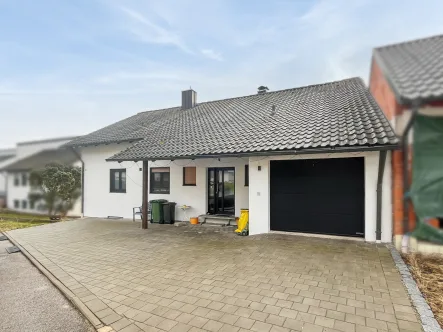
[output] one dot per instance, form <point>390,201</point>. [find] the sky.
<point>69,67</point>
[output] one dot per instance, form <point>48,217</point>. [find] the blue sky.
<point>71,67</point>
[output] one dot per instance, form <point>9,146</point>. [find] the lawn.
<point>427,271</point>
<point>10,220</point>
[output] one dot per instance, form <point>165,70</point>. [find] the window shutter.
<point>160,170</point>
<point>189,176</point>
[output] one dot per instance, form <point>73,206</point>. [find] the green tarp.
<point>427,175</point>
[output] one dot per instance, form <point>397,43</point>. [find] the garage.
<point>323,196</point>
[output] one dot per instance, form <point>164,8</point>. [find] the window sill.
<point>159,193</point>
<point>117,192</point>
<point>189,185</point>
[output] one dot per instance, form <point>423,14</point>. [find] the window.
<point>31,205</point>
<point>24,179</point>
<point>189,176</point>
<point>159,180</point>
<point>246,175</point>
<point>16,180</point>
<point>16,204</point>
<point>118,180</point>
<point>24,204</point>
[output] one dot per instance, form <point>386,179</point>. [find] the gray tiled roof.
<point>42,158</point>
<point>129,129</point>
<point>414,69</point>
<point>334,115</point>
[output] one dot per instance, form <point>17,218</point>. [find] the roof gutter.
<point>405,150</point>
<point>83,180</point>
<point>271,153</point>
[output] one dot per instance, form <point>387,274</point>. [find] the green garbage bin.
<point>169,212</point>
<point>157,210</point>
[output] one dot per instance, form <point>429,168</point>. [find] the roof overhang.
<point>366,148</point>
<point>83,145</point>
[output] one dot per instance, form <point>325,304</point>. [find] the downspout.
<point>83,180</point>
<point>381,171</point>
<point>405,150</point>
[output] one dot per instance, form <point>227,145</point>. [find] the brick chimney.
<point>189,99</point>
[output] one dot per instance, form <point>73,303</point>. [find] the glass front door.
<point>221,190</point>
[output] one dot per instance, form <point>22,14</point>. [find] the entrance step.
<point>217,220</point>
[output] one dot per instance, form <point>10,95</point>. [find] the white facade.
<point>259,199</point>
<point>197,196</point>
<point>19,191</point>
<point>100,202</point>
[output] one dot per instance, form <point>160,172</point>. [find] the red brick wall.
<point>383,94</point>
<point>385,97</point>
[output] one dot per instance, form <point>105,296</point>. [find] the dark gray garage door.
<point>323,196</point>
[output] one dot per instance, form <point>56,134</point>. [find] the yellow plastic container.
<point>194,221</point>
<point>243,223</point>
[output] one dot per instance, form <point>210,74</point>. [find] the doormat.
<point>12,249</point>
<point>3,238</point>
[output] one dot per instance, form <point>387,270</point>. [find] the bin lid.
<point>158,201</point>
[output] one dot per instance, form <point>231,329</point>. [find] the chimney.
<point>189,99</point>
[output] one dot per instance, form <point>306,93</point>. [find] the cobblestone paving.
<point>197,278</point>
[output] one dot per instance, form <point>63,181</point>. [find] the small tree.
<point>57,186</point>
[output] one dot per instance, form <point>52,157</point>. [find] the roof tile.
<point>339,113</point>
<point>414,68</point>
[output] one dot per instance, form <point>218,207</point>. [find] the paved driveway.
<point>187,278</point>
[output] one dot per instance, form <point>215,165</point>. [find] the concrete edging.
<point>427,318</point>
<point>93,319</point>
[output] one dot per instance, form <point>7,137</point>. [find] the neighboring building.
<point>5,154</point>
<point>406,80</point>
<point>31,156</point>
<point>308,159</point>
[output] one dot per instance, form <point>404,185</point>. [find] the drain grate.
<point>12,249</point>
<point>3,238</point>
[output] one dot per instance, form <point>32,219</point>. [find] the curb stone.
<point>427,317</point>
<point>88,314</point>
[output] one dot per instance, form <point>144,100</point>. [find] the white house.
<point>310,159</point>
<point>30,156</point>
<point>5,154</point>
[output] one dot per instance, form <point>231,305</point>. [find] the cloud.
<point>150,32</point>
<point>211,54</point>
<point>92,65</point>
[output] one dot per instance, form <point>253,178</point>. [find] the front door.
<point>221,190</point>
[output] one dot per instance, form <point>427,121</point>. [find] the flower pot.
<point>194,221</point>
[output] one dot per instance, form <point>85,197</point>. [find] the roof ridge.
<point>266,94</point>
<point>408,41</point>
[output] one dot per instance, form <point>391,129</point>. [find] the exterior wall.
<point>380,89</point>
<point>21,193</point>
<point>197,196</point>
<point>2,184</point>
<point>396,114</point>
<point>98,200</point>
<point>259,192</point>
<point>399,116</point>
